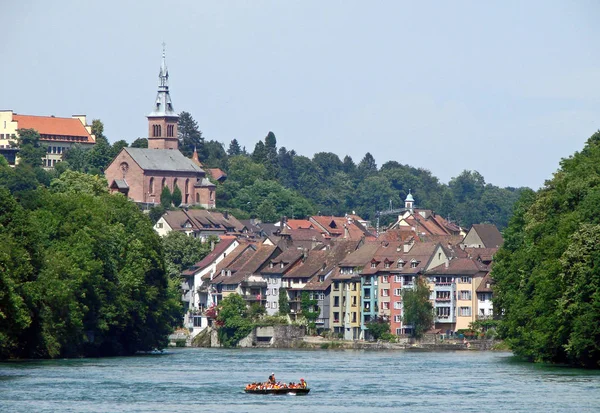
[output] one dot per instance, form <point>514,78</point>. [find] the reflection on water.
<point>349,381</point>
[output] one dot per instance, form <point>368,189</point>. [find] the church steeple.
<point>162,121</point>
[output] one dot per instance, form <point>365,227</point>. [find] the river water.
<point>211,380</point>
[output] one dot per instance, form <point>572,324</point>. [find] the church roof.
<point>162,160</point>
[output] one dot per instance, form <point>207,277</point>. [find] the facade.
<point>141,174</point>
<point>273,273</point>
<point>199,223</point>
<point>57,135</point>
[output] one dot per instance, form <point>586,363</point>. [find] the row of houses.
<point>353,276</point>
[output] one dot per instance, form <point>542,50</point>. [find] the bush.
<point>180,343</point>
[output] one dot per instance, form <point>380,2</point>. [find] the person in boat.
<point>272,378</point>
<point>303,384</point>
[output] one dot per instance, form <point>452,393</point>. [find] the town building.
<point>57,135</point>
<point>142,173</point>
<point>483,236</point>
<point>199,223</point>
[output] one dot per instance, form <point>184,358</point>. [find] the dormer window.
<point>229,273</point>
<point>281,265</point>
<point>400,264</point>
<point>386,264</point>
<point>321,278</point>
<point>373,265</point>
<point>413,264</point>
<point>271,265</point>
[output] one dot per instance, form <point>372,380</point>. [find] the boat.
<point>271,387</point>
<point>285,390</point>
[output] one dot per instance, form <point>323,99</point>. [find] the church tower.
<point>162,121</point>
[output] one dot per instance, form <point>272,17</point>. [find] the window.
<point>397,292</point>
<point>385,305</point>
<point>354,317</point>
<point>354,301</point>
<point>385,292</point>
<point>465,280</point>
<point>170,130</point>
<point>353,286</point>
<point>274,305</point>
<point>398,278</point>
<point>442,296</point>
<point>398,331</point>
<point>274,291</point>
<point>373,265</point>
<point>268,292</point>
<point>336,286</point>
<point>443,312</point>
<point>413,264</point>
<point>268,305</point>
<point>159,225</point>
<point>465,311</point>
<point>465,295</point>
<point>336,317</point>
<point>151,190</point>
<point>386,265</point>
<point>385,279</point>
<point>397,319</point>
<point>400,264</point>
<point>336,301</point>
<point>397,305</point>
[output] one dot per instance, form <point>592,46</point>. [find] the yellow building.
<point>57,135</point>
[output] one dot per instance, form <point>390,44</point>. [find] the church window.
<point>164,182</point>
<point>170,129</point>
<point>151,190</point>
<point>174,184</point>
<point>197,198</point>
<point>211,195</point>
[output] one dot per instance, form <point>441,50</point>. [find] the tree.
<point>547,286</point>
<point>190,136</point>
<point>271,155</point>
<point>176,196</point>
<point>100,156</point>
<point>310,310</point>
<point>367,165</point>
<point>77,158</point>
<point>31,150</point>
<point>78,182</point>
<point>233,321</point>
<point>284,304</point>
<point>259,155</point>
<point>165,197</point>
<point>140,143</point>
<point>156,212</point>
<point>378,328</point>
<point>234,148</point>
<point>117,146</point>
<point>182,252</point>
<point>418,311</point>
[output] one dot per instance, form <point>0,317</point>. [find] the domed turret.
<point>409,201</point>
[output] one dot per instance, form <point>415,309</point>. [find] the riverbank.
<point>293,337</point>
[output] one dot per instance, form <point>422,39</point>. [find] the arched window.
<point>197,198</point>
<point>174,184</point>
<point>187,191</point>
<point>164,183</point>
<point>159,128</point>
<point>151,186</point>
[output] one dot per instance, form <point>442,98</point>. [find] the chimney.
<point>226,214</point>
<point>212,245</point>
<point>346,232</point>
<point>408,245</point>
<point>446,263</point>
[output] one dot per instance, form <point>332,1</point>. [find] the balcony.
<point>443,300</point>
<point>254,298</point>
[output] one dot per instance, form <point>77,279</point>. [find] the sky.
<point>505,88</point>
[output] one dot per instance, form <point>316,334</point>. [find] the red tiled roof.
<point>299,223</point>
<point>460,266</point>
<point>49,125</point>
<point>224,243</point>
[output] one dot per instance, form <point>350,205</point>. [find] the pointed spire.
<point>162,104</point>
<point>195,157</point>
<point>164,72</point>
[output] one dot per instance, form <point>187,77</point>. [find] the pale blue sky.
<point>506,88</point>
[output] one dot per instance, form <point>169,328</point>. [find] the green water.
<point>211,380</point>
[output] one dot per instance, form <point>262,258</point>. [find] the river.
<point>211,380</point>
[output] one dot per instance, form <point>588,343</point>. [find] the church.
<point>141,174</point>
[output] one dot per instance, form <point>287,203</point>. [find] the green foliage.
<point>182,252</point>
<point>31,150</point>
<point>79,183</point>
<point>310,310</point>
<point>234,148</point>
<point>377,328</point>
<point>284,304</point>
<point>176,196</point>
<point>190,136</point>
<point>140,143</point>
<point>547,281</point>
<point>418,310</point>
<point>234,323</point>
<point>81,274</point>
<point>165,197</point>
<point>156,212</point>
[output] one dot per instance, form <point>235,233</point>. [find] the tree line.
<point>271,181</point>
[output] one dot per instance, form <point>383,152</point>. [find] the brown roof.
<point>202,220</point>
<point>233,261</point>
<point>489,234</point>
<point>484,254</point>
<point>483,285</point>
<point>225,242</point>
<point>361,256</point>
<point>256,261</point>
<point>459,266</point>
<point>288,258</point>
<point>337,252</point>
<point>336,227</point>
<point>53,126</point>
<point>216,174</point>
